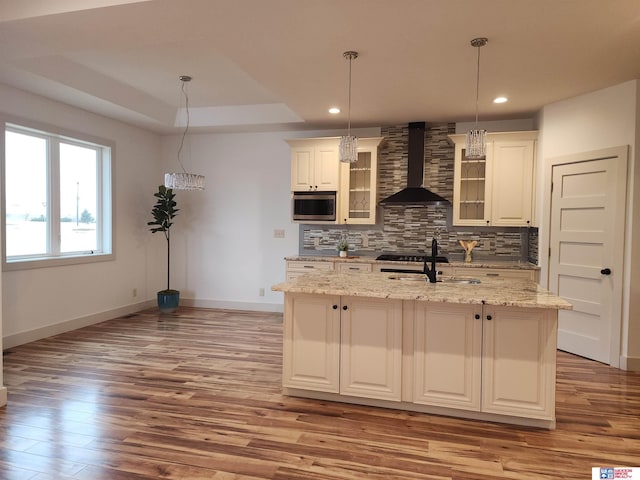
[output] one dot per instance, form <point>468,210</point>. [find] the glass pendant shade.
<point>477,139</point>
<point>348,149</point>
<point>184,181</point>
<point>476,144</point>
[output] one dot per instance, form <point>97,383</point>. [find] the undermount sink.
<point>470,281</point>
<point>419,277</point>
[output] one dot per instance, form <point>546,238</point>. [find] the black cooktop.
<point>409,258</point>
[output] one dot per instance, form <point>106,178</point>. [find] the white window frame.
<point>104,227</point>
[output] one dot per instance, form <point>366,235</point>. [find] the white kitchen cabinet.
<point>371,348</point>
<point>311,342</point>
<point>353,267</point>
<point>314,164</point>
<point>295,268</point>
<point>512,183</point>
<point>447,355</point>
<point>499,189</point>
<point>348,345</point>
<point>489,359</point>
<point>358,185</point>
<point>519,362</point>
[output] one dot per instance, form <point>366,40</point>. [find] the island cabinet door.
<point>371,356</point>
<point>519,369</point>
<point>311,346</point>
<point>447,355</point>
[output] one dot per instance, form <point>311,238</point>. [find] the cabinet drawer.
<point>354,267</point>
<point>302,266</point>
<point>417,267</point>
<point>444,270</point>
<point>495,273</point>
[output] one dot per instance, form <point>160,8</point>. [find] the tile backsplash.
<point>410,229</point>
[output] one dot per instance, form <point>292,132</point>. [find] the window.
<point>57,199</point>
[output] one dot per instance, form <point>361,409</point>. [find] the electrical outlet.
<point>278,233</point>
<point>262,292</point>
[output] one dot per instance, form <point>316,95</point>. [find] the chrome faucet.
<point>432,273</point>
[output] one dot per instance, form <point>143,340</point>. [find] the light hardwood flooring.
<point>196,395</point>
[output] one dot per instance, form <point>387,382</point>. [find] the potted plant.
<point>343,247</point>
<point>163,213</point>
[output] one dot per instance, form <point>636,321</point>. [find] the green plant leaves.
<point>164,210</point>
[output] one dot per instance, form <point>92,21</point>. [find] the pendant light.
<point>348,142</point>
<point>477,139</point>
<point>183,180</point>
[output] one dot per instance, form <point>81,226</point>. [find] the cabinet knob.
<point>335,307</point>
<point>477,316</point>
<point>489,317</point>
<point>344,307</point>
<point>605,271</point>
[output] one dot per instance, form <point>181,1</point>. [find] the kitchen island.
<point>476,350</point>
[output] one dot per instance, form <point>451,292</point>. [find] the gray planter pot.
<point>168,300</point>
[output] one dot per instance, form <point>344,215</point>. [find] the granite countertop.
<point>481,263</point>
<point>506,292</point>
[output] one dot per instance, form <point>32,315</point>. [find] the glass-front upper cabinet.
<point>472,202</point>
<point>496,190</point>
<point>358,185</point>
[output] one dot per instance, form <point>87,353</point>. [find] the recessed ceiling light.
<point>334,110</point>
<point>500,100</point>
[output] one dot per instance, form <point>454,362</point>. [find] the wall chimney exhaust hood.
<point>415,195</point>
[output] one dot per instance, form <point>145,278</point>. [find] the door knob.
<point>605,271</point>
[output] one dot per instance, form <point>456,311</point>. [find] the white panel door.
<point>371,351</point>
<point>586,256</point>
<point>447,355</point>
<point>302,168</point>
<point>326,167</point>
<point>519,361</point>
<point>311,344</point>
<point>512,186</point>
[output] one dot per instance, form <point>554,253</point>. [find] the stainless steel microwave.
<point>314,206</point>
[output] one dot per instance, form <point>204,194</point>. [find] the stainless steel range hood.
<point>415,195</point>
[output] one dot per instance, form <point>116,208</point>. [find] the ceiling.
<point>264,65</point>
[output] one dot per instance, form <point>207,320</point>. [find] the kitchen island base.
<point>412,407</point>
<point>445,351</point>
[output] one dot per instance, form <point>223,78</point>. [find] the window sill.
<point>56,262</point>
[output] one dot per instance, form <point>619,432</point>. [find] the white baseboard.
<point>250,306</point>
<point>630,363</point>
<point>68,325</point>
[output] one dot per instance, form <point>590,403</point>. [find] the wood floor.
<point>196,395</point>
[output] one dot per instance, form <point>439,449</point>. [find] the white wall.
<point>601,119</point>
<point>225,250</point>
<point>41,302</point>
